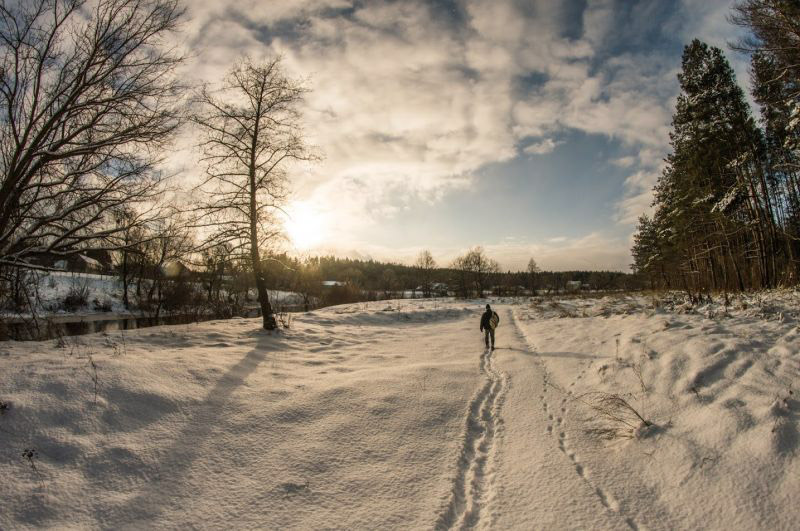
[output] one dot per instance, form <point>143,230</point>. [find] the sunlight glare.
<point>304,226</point>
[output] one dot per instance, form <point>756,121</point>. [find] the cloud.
<point>624,162</point>
<point>408,104</point>
<point>540,148</point>
<point>401,98</point>
<point>638,196</point>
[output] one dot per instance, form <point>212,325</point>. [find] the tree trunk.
<point>267,316</point>
<point>125,300</point>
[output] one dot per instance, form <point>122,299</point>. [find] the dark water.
<point>70,325</point>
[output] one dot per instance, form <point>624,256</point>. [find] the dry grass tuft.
<point>616,417</point>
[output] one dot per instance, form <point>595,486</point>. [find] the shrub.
<point>77,297</point>
<point>617,417</point>
<point>104,306</point>
<point>178,295</point>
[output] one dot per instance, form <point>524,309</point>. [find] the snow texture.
<point>392,415</point>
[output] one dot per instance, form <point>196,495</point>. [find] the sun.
<point>304,225</point>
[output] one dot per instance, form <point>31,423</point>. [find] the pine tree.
<point>714,221</point>
<point>773,39</point>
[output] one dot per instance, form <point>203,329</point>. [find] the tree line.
<point>473,274</point>
<point>727,204</point>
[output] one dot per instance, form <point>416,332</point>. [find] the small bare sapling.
<point>31,455</point>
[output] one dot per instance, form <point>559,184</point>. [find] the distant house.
<point>87,261</point>
<point>177,269</point>
<point>440,289</point>
<point>102,256</point>
<point>573,285</point>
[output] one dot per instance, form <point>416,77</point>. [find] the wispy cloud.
<point>542,147</point>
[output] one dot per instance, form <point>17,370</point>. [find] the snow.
<point>721,454</point>
<point>391,415</point>
<point>54,286</point>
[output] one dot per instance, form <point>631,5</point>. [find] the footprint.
<point>607,500</point>
<point>602,496</point>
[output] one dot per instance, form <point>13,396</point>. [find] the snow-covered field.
<point>391,415</point>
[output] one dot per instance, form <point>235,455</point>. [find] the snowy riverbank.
<point>392,415</point>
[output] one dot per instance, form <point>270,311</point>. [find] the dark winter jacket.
<point>485,319</point>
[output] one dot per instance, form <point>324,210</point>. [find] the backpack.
<point>494,320</point>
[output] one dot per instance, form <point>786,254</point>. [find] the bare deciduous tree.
<point>461,279</point>
<point>426,265</point>
<point>252,131</point>
<point>170,242</point>
<point>481,266</point>
<point>87,101</point>
<point>389,283</point>
<point>473,270</point>
<point>307,282</point>
<point>533,273</point>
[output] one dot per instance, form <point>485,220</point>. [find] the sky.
<point>535,129</point>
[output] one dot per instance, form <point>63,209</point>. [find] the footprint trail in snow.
<point>556,426</point>
<point>472,486</point>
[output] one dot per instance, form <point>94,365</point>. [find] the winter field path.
<point>538,461</point>
<point>473,486</point>
<point>392,415</point>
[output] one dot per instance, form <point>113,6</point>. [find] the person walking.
<point>489,321</point>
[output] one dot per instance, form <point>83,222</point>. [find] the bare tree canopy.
<point>533,271</point>
<point>87,101</point>
<point>426,266</point>
<point>473,271</point>
<point>252,131</point>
